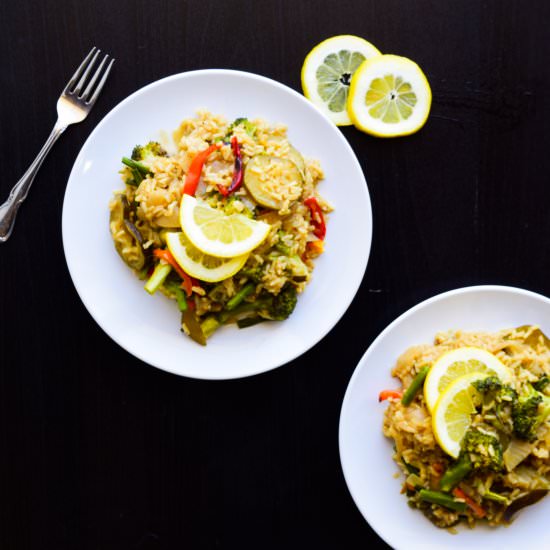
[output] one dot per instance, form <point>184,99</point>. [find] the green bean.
<point>415,386</point>
<point>442,499</point>
<point>455,473</point>
<point>245,291</point>
<point>158,277</point>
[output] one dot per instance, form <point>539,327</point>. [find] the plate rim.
<point>364,190</point>
<point>364,358</point>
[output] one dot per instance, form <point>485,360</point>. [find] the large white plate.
<point>148,326</point>
<point>366,455</point>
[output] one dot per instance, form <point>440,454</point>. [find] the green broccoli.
<point>255,274</point>
<point>530,410</point>
<point>541,383</point>
<point>146,152</point>
<point>479,451</point>
<point>245,123</point>
<point>283,303</point>
<point>492,388</point>
<point>500,396</point>
<point>136,171</point>
<point>489,384</point>
<point>274,308</point>
<point>484,450</point>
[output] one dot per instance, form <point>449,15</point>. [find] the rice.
<point>287,177</point>
<point>526,353</point>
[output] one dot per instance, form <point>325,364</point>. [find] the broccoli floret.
<point>500,396</point>
<point>479,451</point>
<point>245,123</point>
<point>283,303</point>
<point>136,171</point>
<point>541,383</point>
<point>484,450</point>
<point>145,152</point>
<point>530,410</point>
<point>492,388</point>
<point>255,274</point>
<point>275,308</point>
<point>489,384</point>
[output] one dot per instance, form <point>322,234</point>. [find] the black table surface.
<point>99,450</point>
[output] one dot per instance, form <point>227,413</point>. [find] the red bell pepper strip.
<point>317,217</point>
<point>387,394</point>
<point>238,171</point>
<point>478,511</point>
<point>195,170</point>
<point>188,281</point>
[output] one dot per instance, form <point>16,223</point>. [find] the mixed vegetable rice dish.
<point>227,222</point>
<point>471,424</point>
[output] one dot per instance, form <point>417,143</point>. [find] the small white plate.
<point>366,455</point>
<point>149,326</point>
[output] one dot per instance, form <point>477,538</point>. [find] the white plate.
<point>365,453</point>
<point>148,326</point>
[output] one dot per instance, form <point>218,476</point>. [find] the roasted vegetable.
<point>479,450</point>
<point>237,170</point>
<point>442,499</point>
<point>193,327</point>
<point>243,293</point>
<point>195,170</point>
<point>127,238</point>
<point>267,178</point>
<point>267,306</point>
<point>245,123</point>
<point>157,278</point>
<point>530,498</point>
<point>530,410</point>
<point>415,386</point>
<point>209,326</point>
<point>135,172</point>
<point>149,151</point>
<point>317,218</point>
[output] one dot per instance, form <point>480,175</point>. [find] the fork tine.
<point>79,71</point>
<point>88,90</point>
<point>101,82</point>
<point>85,74</point>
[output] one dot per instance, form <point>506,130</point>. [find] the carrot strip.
<point>165,255</point>
<point>387,394</point>
<point>478,511</point>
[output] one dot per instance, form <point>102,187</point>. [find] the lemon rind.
<point>342,118</point>
<point>358,111</point>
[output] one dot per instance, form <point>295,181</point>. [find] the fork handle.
<point>18,194</point>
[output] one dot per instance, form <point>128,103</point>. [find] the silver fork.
<point>73,105</point>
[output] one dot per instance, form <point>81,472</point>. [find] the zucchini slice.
<point>272,181</point>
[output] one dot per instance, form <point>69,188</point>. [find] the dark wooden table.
<point>101,451</point>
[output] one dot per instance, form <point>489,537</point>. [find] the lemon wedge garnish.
<point>217,234</point>
<point>452,415</point>
<point>456,363</point>
<point>327,72</point>
<point>389,96</point>
<point>199,265</point>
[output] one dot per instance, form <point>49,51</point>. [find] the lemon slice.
<point>453,412</point>
<point>327,71</point>
<point>389,96</point>
<point>199,265</point>
<point>456,363</point>
<point>217,234</point>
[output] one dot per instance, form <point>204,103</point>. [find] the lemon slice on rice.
<point>199,265</point>
<point>389,96</point>
<point>217,234</point>
<point>456,363</point>
<point>327,71</point>
<point>453,412</point>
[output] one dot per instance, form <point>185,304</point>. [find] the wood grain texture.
<point>100,451</point>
